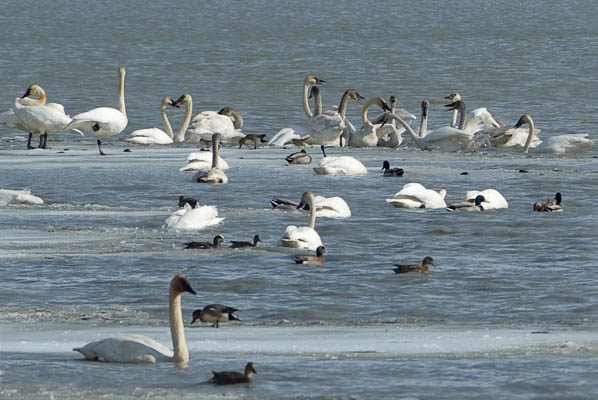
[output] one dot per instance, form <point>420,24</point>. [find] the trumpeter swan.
<point>343,165</point>
<point>304,237</point>
<point>188,218</point>
<point>8,196</point>
<point>367,137</point>
<point>215,174</point>
<point>555,144</point>
<point>156,135</point>
<point>415,195</point>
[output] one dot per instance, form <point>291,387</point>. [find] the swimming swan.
<point>304,237</point>
<point>326,207</point>
<point>555,144</point>
<point>142,349</point>
<point>415,195</point>
<point>492,200</point>
<point>215,174</point>
<point>104,122</point>
<point>188,218</point>
<point>343,165</point>
<point>156,135</point>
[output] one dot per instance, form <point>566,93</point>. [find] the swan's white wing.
<point>493,199</point>
<point>107,121</point>
<point>149,136</point>
<point>283,137</point>
<point>571,143</point>
<point>8,196</point>
<point>193,218</point>
<point>202,160</point>
<point>325,128</point>
<point>332,207</point>
<point>209,122</point>
<point>344,165</point>
<point>302,237</point>
<point>42,119</point>
<point>479,119</point>
<point>413,192</point>
<point>126,349</point>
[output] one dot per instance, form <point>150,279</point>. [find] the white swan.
<point>206,123</point>
<point>283,137</point>
<point>555,144</point>
<point>188,218</point>
<point>475,120</point>
<point>326,128</point>
<point>156,135</point>
<point>367,135</point>
<point>492,199</point>
<point>202,160</point>
<point>326,207</point>
<point>234,115</point>
<point>142,349</point>
<point>215,174</point>
<point>104,122</point>
<point>415,195</point>
<point>8,196</point>
<point>343,165</point>
<point>390,136</point>
<point>304,237</point>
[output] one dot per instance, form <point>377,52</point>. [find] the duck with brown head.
<point>215,314</point>
<point>142,349</point>
<point>233,377</point>
<point>424,268</point>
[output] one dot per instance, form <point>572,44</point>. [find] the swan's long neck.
<point>463,114</point>
<point>423,125</point>
<point>454,116</point>
<point>405,125</point>
<point>364,111</point>
<point>342,108</point>
<point>312,213</point>
<point>215,152</point>
<point>530,136</point>
<point>317,102</point>
<point>238,119</point>
<point>121,93</point>
<point>305,100</point>
<point>177,329</point>
<point>167,125</point>
<point>180,136</point>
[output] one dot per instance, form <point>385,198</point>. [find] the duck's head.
<point>180,284</point>
<point>558,198</point>
<point>385,165</point>
<point>196,315</point>
<point>428,261</point>
<point>320,251</point>
<point>218,239</point>
<point>256,238</point>
<point>249,369</point>
<point>479,199</point>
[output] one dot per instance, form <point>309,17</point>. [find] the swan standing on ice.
<point>142,349</point>
<point>304,237</point>
<point>555,144</point>
<point>326,128</point>
<point>343,165</point>
<point>104,122</point>
<point>367,136</point>
<point>415,195</point>
<point>215,174</point>
<point>286,135</point>
<point>188,218</point>
<point>156,135</point>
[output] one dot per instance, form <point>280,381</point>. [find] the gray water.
<point>95,259</point>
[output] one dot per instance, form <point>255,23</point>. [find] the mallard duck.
<point>551,205</point>
<point>423,268</point>
<point>475,205</point>
<point>233,377</point>
<point>391,171</point>
<point>252,138</point>
<point>300,157</point>
<point>318,259</point>
<point>218,239</point>
<point>214,314</point>
<point>240,244</point>
<point>182,200</point>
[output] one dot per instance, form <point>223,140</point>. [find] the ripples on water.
<point>96,255</point>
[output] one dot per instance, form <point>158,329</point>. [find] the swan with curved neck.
<point>142,349</point>
<point>415,195</point>
<point>555,144</point>
<point>234,115</point>
<point>526,119</point>
<point>451,98</point>
<point>367,136</point>
<point>187,100</point>
<point>308,82</point>
<point>104,122</point>
<point>326,128</point>
<point>9,120</point>
<point>304,237</point>
<point>215,174</point>
<point>156,135</point>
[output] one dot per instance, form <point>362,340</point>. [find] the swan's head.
<point>456,105</point>
<point>307,199</point>
<point>168,102</point>
<point>524,119</point>
<point>428,261</point>
<point>353,95</point>
<point>381,102</point>
<point>34,91</point>
<point>425,107</point>
<point>249,370</point>
<point>320,251</point>
<point>121,73</point>
<point>180,284</point>
<point>453,97</point>
<point>184,99</point>
<point>312,80</point>
<point>385,165</point>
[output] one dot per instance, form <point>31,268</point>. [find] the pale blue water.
<point>95,257</point>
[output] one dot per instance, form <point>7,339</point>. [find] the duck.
<point>254,138</point>
<point>215,175</point>
<point>551,205</point>
<point>304,237</point>
<point>493,199</point>
<point>187,218</point>
<point>343,165</point>
<point>424,268</point>
<point>218,239</point>
<point>300,157</point>
<point>133,348</point>
<point>214,314</point>
<point>326,207</point>
<point>414,195</point>
<point>391,171</point>
<point>232,377</point>
<point>156,135</point>
<point>187,200</point>
<point>241,244</point>
<point>476,205</point>
<point>8,196</point>
<point>104,122</point>
<point>318,259</point>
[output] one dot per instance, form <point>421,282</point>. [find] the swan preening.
<point>326,207</point>
<point>343,165</point>
<point>188,218</point>
<point>104,122</point>
<point>415,195</point>
<point>304,237</point>
<point>142,349</point>
<point>8,196</point>
<point>215,174</point>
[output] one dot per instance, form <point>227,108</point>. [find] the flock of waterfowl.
<point>476,129</point>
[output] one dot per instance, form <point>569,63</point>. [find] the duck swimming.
<point>551,205</point>
<point>424,268</point>
<point>233,377</point>
<point>318,259</point>
<point>218,239</point>
<point>240,244</point>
